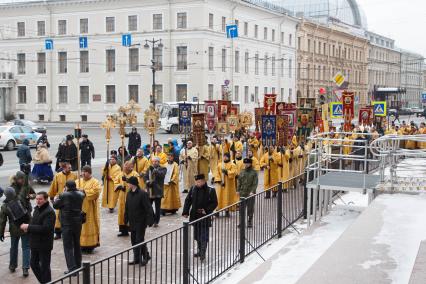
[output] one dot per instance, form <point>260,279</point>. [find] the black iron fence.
<point>202,250</point>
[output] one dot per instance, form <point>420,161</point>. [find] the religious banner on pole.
<point>348,109</point>
<point>282,130</point>
<point>246,119</point>
<point>223,110</point>
<point>258,112</point>
<point>233,123</point>
<point>198,129</point>
<point>365,116</point>
<point>269,130</point>
<point>222,128</point>
<point>184,117</point>
<point>211,114</point>
<point>269,103</point>
<point>235,109</point>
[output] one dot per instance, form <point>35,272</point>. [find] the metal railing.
<point>230,241</point>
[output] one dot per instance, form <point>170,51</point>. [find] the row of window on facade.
<point>332,50</point>
<point>134,94</point>
<point>270,64</point>
<point>157,24</point>
<point>324,73</point>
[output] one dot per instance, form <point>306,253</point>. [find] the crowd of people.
<point>142,183</point>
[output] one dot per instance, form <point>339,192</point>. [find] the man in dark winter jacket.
<point>24,154</point>
<point>87,151</point>
<point>13,210</point>
<point>135,141</point>
<point>70,204</point>
<point>138,215</point>
<point>43,140</point>
<point>200,201</point>
<point>154,180</point>
<point>247,185</point>
<point>70,152</point>
<point>41,231</point>
<point>24,191</point>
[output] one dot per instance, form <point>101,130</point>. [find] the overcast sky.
<point>402,20</point>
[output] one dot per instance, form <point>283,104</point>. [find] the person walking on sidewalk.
<point>200,201</point>
<point>24,155</point>
<point>247,185</point>
<point>138,215</point>
<point>70,203</point>
<point>87,151</point>
<point>40,231</point>
<point>13,210</point>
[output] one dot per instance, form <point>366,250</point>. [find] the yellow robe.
<point>236,146</point>
<point>422,145</point>
<point>204,160</point>
<point>171,198</point>
<point>226,149</point>
<point>226,195</point>
<point>141,165</point>
<point>215,157</point>
<point>190,169</point>
<point>285,169</point>
<point>255,164</point>
<point>410,144</point>
<point>122,195</point>
<point>57,187</point>
<point>240,165</point>
<point>162,156</point>
<point>90,232</point>
<point>271,175</point>
<point>254,147</point>
<point>109,195</point>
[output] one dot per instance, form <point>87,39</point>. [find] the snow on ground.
<point>288,258</point>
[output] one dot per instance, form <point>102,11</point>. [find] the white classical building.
<point>412,77</point>
<point>72,82</point>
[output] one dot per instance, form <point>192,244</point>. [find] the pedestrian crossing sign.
<point>379,108</point>
<point>336,110</point>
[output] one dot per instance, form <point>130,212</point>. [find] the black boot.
<point>250,222</point>
<point>268,194</point>
<point>145,260</point>
<point>185,191</point>
<point>203,251</point>
<point>227,214</point>
<point>274,194</point>
<point>198,253</point>
<point>57,236</point>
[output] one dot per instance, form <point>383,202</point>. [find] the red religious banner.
<point>282,130</point>
<point>348,109</point>
<point>365,116</point>
<point>258,112</point>
<point>223,109</point>
<point>234,110</point>
<point>269,103</point>
<point>281,107</point>
<point>211,115</point>
<point>198,129</point>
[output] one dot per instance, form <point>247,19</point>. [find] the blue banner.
<point>269,130</point>
<point>184,117</point>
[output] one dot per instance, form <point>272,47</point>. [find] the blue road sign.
<point>83,42</point>
<point>336,110</point>
<point>126,40</point>
<point>424,98</point>
<point>232,31</point>
<point>48,44</point>
<point>379,108</point>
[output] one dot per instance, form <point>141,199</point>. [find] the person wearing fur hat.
<point>247,185</point>
<point>23,190</point>
<point>13,211</point>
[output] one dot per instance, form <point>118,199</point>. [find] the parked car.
<point>34,126</point>
<point>13,135</point>
<point>417,111</point>
<point>405,111</point>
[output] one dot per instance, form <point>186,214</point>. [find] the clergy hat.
<point>248,161</point>
<point>85,136</point>
<point>69,137</point>
<point>200,176</point>
<point>114,152</point>
<point>133,181</point>
<point>227,155</point>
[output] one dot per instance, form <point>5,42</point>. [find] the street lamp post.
<point>154,43</point>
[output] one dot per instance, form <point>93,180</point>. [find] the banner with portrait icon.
<point>233,123</point>
<point>198,129</point>
<point>282,130</point>
<point>306,123</point>
<point>269,104</point>
<point>246,119</point>
<point>223,110</point>
<point>348,109</point>
<point>365,116</point>
<point>258,112</point>
<point>222,129</point>
<point>269,130</point>
<point>185,117</point>
<point>211,115</point>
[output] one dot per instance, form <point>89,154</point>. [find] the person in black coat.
<point>154,180</point>
<point>138,214</point>
<point>359,149</point>
<point>60,156</point>
<point>70,204</point>
<point>200,201</point>
<point>41,231</point>
<point>43,139</point>
<point>135,141</point>
<point>87,151</point>
<point>70,152</point>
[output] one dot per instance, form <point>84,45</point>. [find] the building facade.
<point>384,68</point>
<point>58,78</point>
<point>412,78</point>
<point>323,51</point>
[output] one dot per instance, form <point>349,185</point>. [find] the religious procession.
<point>224,155</point>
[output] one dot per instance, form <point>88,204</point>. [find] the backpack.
<point>16,209</point>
